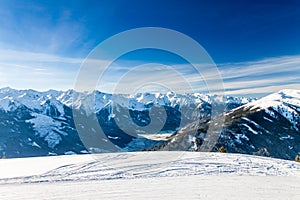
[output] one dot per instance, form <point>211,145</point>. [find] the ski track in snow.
<point>150,175</point>
<point>155,164</point>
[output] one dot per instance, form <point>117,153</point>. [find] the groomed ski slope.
<point>150,175</point>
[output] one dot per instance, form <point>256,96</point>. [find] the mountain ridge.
<point>42,122</point>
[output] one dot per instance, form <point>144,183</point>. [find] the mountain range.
<point>42,123</point>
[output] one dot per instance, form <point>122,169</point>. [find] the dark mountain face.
<point>19,137</point>
<point>267,127</point>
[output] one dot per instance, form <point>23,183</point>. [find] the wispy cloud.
<point>7,55</point>
<point>246,78</point>
<point>39,71</point>
<point>44,71</point>
<point>154,77</point>
<point>263,76</point>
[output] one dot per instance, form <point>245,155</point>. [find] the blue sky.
<point>256,44</point>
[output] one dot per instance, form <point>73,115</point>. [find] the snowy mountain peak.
<point>283,104</point>
<point>34,100</point>
<point>284,95</point>
<point>283,98</point>
<point>5,89</point>
<point>291,92</point>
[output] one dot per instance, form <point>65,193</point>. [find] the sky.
<point>255,44</point>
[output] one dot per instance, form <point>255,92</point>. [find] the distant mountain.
<point>269,126</point>
<point>36,123</point>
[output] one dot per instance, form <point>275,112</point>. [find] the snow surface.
<point>18,167</point>
<point>150,175</point>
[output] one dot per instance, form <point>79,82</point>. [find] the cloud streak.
<point>256,78</point>
<point>263,76</point>
<point>8,55</point>
<point>40,71</point>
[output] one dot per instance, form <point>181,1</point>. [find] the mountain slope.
<point>269,127</point>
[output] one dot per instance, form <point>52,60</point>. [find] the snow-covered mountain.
<point>284,104</point>
<point>11,99</point>
<point>36,123</point>
<point>268,126</point>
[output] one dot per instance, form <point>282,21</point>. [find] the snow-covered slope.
<point>150,175</point>
<point>131,165</point>
<point>268,127</point>
<point>285,102</point>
